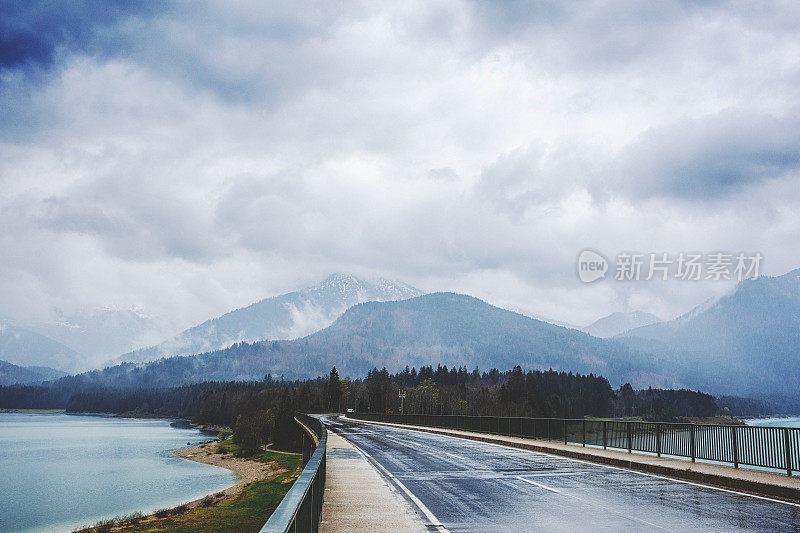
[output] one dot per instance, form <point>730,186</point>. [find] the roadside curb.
<point>782,492</point>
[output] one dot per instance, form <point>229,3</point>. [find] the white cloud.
<point>192,162</point>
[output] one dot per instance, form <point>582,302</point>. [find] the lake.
<point>59,472</point>
<point>789,422</point>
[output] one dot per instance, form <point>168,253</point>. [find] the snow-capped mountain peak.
<point>353,290</point>
<point>288,316</point>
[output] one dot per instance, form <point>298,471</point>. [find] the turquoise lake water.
<point>59,472</point>
<point>792,422</point>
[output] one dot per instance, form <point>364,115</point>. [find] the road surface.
<point>467,485</point>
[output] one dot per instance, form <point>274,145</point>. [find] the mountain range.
<point>11,374</point>
<point>619,322</point>
<point>288,316</point>
<point>22,347</point>
<point>78,342</point>
<point>745,343</point>
<point>444,328</point>
<point>96,336</point>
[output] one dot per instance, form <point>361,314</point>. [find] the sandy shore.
<point>247,470</point>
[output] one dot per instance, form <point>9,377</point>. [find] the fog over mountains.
<point>620,322</point>
<point>100,334</point>
<point>78,342</point>
<point>288,316</point>
<point>27,348</point>
<point>745,343</point>
<point>445,328</point>
<point>11,374</point>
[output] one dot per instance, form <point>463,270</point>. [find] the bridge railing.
<point>764,447</point>
<point>301,508</point>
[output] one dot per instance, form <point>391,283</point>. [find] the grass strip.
<point>246,511</point>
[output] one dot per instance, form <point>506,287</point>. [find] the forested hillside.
<point>455,329</point>
<point>746,343</point>
<point>11,374</point>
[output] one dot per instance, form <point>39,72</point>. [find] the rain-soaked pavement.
<point>473,486</point>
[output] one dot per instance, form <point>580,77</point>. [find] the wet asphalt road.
<point>474,486</point>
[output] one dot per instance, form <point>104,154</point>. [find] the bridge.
<point>387,476</point>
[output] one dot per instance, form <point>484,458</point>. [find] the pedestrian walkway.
<point>762,483</point>
<point>358,498</point>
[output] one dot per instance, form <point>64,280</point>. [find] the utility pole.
<point>402,397</point>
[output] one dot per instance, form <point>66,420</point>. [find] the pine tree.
<point>334,391</point>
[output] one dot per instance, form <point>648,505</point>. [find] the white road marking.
<point>459,457</point>
<point>542,485</point>
<point>555,474</point>
<point>433,521</point>
<point>647,474</point>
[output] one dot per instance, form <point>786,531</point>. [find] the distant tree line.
<point>439,390</point>
<point>460,391</point>
<point>261,412</point>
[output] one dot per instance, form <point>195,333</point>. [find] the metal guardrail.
<point>301,508</point>
<point>765,447</point>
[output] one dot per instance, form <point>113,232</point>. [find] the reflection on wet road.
<point>475,486</point>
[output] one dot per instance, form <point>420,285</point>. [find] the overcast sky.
<point>192,158</point>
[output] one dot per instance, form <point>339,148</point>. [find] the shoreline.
<point>772,418</point>
<point>248,471</point>
<point>6,410</point>
<point>173,420</point>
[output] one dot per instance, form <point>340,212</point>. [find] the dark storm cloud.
<point>33,33</point>
<point>702,160</point>
<point>38,36</point>
<point>226,48</point>
<point>708,158</point>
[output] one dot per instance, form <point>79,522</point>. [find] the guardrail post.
<point>788,452</point>
<point>311,507</point>
<point>735,442</point>
<point>658,439</point>
<point>548,431</point>
<point>605,442</point>
<point>565,431</point>
<point>629,436</point>
<point>691,440</point>
<point>584,433</point>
